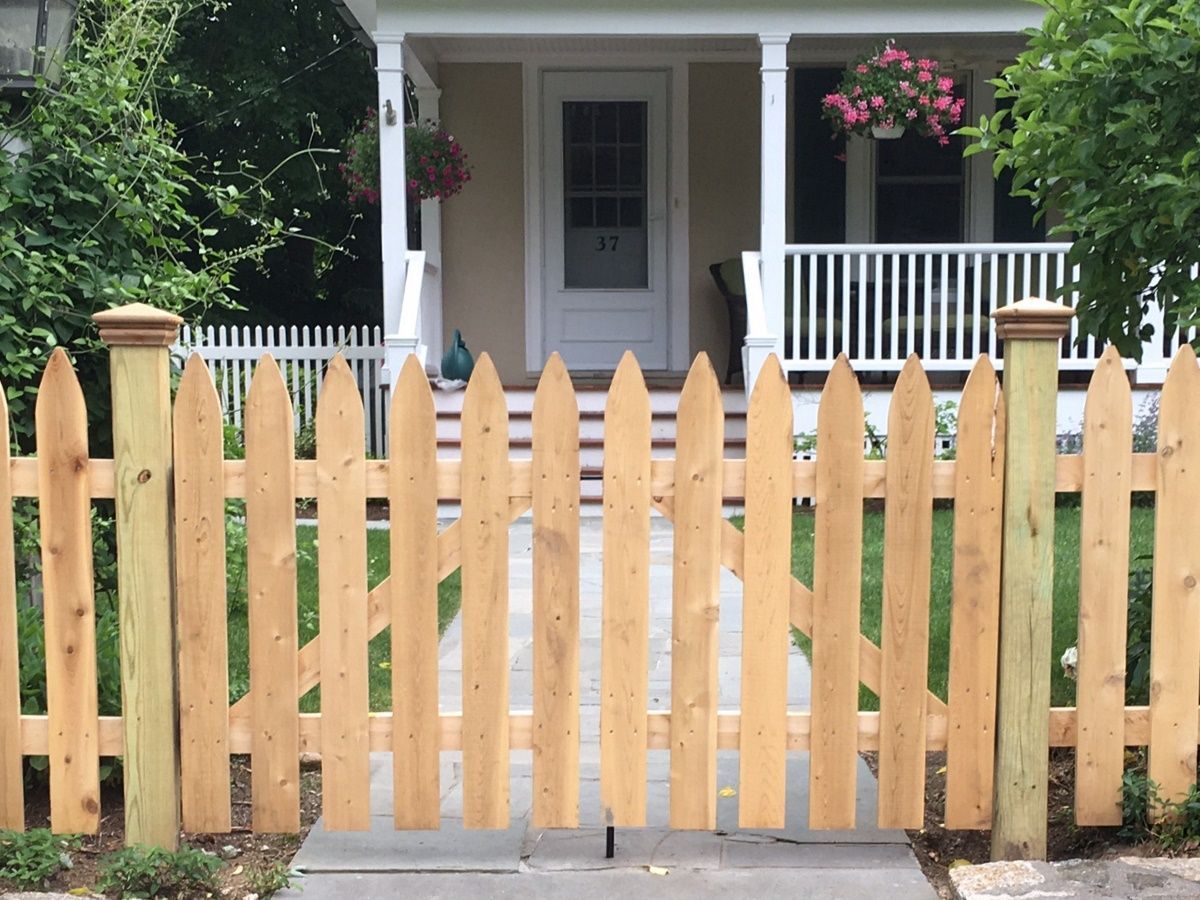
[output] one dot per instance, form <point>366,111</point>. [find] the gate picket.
<point>1103,594</point>
<point>700,445</point>
<point>624,647</point>
<point>975,604</point>
<point>416,732</point>
<point>64,511</point>
<point>837,591</point>
<point>271,586</point>
<point>907,549</point>
<point>200,587</point>
<point>12,789</point>
<point>765,601</point>
<point>555,600</point>
<point>342,592</point>
<point>1175,637</point>
<point>485,478</point>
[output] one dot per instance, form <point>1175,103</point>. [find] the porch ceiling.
<point>802,50</point>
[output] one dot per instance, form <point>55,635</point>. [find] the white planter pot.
<point>887,134</point>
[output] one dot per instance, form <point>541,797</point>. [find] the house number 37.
<point>607,243</point>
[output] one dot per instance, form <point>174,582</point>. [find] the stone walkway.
<point>524,862</point>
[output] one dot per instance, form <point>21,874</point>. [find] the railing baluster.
<point>910,338</point>
<point>993,290</point>
<point>927,325</point>
<point>830,315</point>
<point>877,263</point>
<point>894,330</point>
<point>797,306</point>
<point>846,333</point>
<point>812,308</point>
<point>944,318</point>
<point>862,306</point>
<point>960,306</point>
<point>976,304</point>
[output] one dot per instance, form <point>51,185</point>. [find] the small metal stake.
<point>610,842</point>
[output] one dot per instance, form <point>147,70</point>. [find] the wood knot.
<point>1189,582</point>
<point>1168,451</point>
<point>143,476</point>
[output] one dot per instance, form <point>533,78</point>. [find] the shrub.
<point>30,859</point>
<point>142,872</point>
<point>269,879</point>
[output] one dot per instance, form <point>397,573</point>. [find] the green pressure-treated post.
<point>1032,331</point>
<point>138,337</point>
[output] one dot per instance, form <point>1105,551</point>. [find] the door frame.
<point>678,290</point>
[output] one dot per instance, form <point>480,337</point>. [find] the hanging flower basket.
<point>887,92</point>
<point>435,162</point>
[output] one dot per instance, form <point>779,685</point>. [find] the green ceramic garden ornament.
<point>458,363</point>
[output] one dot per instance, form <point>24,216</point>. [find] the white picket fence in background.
<point>302,353</point>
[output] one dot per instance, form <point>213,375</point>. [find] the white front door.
<point>604,191</point>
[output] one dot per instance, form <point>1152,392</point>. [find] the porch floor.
<point>526,862</point>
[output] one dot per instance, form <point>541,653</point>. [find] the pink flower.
<point>910,114</point>
<point>861,69</point>
<point>926,64</point>
<point>924,76</point>
<point>877,102</point>
<point>857,91</point>
<point>923,100</point>
<point>942,103</point>
<point>907,65</point>
<point>943,141</point>
<point>945,83</point>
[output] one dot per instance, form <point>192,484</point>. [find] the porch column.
<point>773,210</point>
<point>393,192</point>
<point>429,108</point>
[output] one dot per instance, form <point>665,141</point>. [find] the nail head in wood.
<point>137,325</point>
<point>1033,318</point>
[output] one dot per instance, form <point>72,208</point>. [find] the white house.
<point>621,149</point>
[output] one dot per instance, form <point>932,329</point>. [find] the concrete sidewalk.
<point>521,861</point>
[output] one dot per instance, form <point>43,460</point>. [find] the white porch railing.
<point>878,303</point>
<point>302,354</point>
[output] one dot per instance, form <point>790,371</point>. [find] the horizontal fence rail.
<point>495,490</point>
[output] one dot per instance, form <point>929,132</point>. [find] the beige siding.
<point>724,176</point>
<point>483,229</point>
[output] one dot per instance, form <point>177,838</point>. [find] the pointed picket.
<point>416,737</point>
<point>485,478</point>
<point>1175,635</point>
<point>12,792</point>
<point>64,510</point>
<point>767,578</point>
<point>625,641</point>
<point>907,550</point>
<point>200,588</point>
<point>700,445</point>
<point>975,600</point>
<point>1103,593</point>
<point>837,592</point>
<point>342,587</point>
<point>555,600</point>
<point>271,578</point>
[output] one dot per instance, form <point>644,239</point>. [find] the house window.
<point>1013,217</point>
<point>605,160</point>
<point>819,162</point>
<point>920,190</point>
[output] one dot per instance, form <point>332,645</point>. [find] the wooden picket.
<point>200,592</point>
<point>837,590</point>
<point>1175,637</point>
<point>1103,594</point>
<point>485,726</point>
<point>413,594</point>
<point>767,577</point>
<point>342,593</point>
<point>907,553</point>
<point>271,588</point>
<point>555,600</point>
<point>12,788</point>
<point>975,603</point>
<point>696,596</point>
<point>624,644</point>
<point>688,490</point>
<point>64,506</point>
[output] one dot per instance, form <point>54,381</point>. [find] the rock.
<point>230,852</point>
<point>994,879</point>
<point>1127,878</point>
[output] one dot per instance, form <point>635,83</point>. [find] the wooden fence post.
<point>1032,330</point>
<point>138,337</point>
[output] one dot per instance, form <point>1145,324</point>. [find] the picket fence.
<point>494,490</point>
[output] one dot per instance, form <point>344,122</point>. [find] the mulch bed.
<point>243,850</point>
<point>937,849</point>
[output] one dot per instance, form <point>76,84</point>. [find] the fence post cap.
<point>137,325</point>
<point>1033,318</point>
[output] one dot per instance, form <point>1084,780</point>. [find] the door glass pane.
<point>606,235</point>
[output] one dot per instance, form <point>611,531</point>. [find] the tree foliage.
<point>99,207</point>
<point>1104,129</point>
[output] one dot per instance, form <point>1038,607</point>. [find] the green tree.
<point>100,207</point>
<point>1104,129</point>
<point>264,81</point>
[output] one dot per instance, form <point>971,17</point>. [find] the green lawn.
<point>306,581</point>
<point>1066,587</point>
